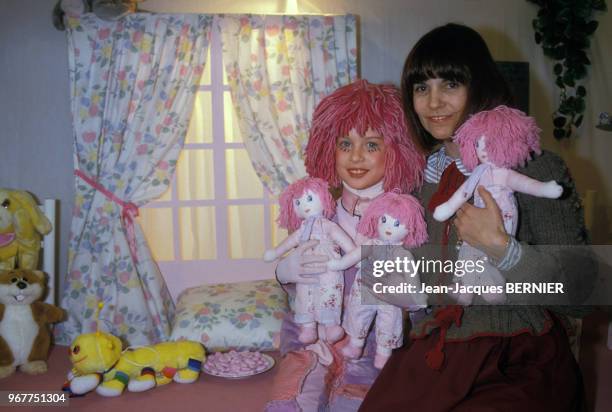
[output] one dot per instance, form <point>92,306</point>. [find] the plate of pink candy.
<point>234,364</point>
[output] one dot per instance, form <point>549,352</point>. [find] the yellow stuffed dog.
<point>21,225</point>
<point>99,363</point>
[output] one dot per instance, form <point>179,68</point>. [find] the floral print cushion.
<point>241,316</point>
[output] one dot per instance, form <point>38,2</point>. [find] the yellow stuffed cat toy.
<point>99,363</point>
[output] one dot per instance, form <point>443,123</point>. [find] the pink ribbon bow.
<point>129,211</point>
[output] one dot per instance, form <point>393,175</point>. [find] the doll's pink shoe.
<point>308,334</point>
<point>333,333</point>
<point>352,352</point>
<point>380,360</point>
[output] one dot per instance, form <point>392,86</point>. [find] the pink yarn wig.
<point>288,219</point>
<point>405,208</point>
<point>510,137</point>
<point>362,105</point>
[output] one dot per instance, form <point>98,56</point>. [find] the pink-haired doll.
<point>392,220</point>
<point>306,208</point>
<point>491,143</point>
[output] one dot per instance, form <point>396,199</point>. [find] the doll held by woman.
<point>306,208</point>
<point>392,220</point>
<point>491,143</point>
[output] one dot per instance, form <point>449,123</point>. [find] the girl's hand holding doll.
<point>300,266</point>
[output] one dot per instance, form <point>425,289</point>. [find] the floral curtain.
<point>278,68</point>
<point>133,84</point>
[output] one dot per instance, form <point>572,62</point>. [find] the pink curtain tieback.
<point>129,211</point>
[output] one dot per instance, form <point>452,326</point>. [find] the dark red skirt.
<point>520,374</point>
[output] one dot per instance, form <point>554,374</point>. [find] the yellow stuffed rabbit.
<point>22,224</point>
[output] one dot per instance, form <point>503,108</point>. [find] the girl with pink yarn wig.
<point>360,145</point>
<point>491,143</point>
<point>306,208</point>
<point>393,220</point>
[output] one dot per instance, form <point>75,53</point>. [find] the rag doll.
<point>306,208</point>
<point>391,222</point>
<point>491,143</point>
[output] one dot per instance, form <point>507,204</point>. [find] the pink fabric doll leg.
<point>389,333</point>
<point>389,327</point>
<point>358,317</point>
<point>304,303</point>
<point>328,300</point>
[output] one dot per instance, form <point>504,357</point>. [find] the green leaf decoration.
<point>563,28</point>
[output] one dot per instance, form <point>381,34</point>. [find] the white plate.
<point>233,375</point>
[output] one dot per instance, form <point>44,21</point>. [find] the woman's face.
<point>440,105</point>
<point>360,160</point>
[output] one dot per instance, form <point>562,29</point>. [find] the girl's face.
<point>308,205</point>
<point>440,105</point>
<point>360,160</point>
<point>391,229</point>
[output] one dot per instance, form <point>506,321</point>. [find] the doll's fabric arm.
<point>552,242</point>
<point>283,247</point>
<point>340,237</point>
<point>447,209</point>
<point>524,184</point>
<point>346,261</point>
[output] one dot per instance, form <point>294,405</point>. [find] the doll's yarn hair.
<point>405,208</point>
<point>510,137</point>
<point>362,105</point>
<point>288,219</point>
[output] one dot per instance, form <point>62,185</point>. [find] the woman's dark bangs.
<point>438,66</point>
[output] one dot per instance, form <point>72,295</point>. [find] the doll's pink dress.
<point>482,175</point>
<point>320,302</point>
<point>359,314</point>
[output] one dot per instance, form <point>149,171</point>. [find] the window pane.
<point>242,182</point>
<point>277,233</point>
<point>245,231</point>
<point>194,175</point>
<point>205,80</point>
<point>200,125</point>
<point>156,224</point>
<point>198,233</point>
<point>230,120</point>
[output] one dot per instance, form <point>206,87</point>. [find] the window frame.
<point>181,274</point>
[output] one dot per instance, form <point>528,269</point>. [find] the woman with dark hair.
<point>478,357</point>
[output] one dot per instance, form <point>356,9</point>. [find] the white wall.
<point>34,104</point>
<point>35,133</point>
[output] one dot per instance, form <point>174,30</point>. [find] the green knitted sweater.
<point>559,224</point>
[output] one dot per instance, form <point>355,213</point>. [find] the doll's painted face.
<point>308,205</point>
<point>481,150</point>
<point>391,229</point>
<point>360,160</point>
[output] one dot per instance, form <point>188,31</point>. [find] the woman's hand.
<point>483,228</point>
<point>297,267</point>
